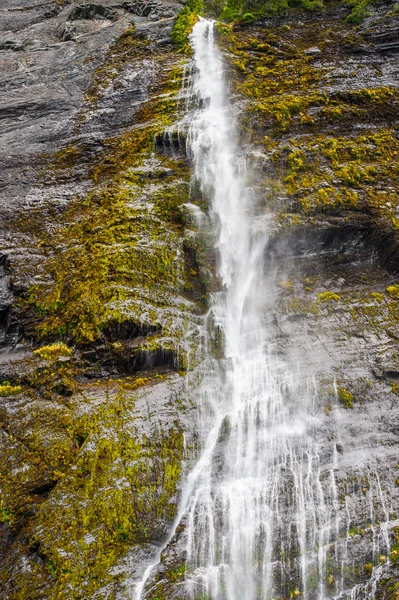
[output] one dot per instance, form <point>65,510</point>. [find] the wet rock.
<point>11,45</point>
<point>91,11</point>
<point>312,51</point>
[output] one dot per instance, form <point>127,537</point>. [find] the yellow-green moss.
<point>284,89</point>
<point>346,397</point>
<point>393,290</point>
<point>287,286</point>
<point>120,490</point>
<point>327,297</point>
<point>53,351</point>
<point>113,254</point>
<point>7,389</point>
<point>328,174</point>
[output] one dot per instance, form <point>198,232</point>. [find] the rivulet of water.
<point>261,506</point>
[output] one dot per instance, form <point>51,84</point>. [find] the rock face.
<point>104,277</point>
<point>91,447</point>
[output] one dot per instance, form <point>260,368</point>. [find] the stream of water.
<point>264,481</point>
<point>259,509</point>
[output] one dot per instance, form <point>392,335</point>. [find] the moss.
<point>377,296</point>
<point>80,482</point>
<point>287,286</point>
<point>345,397</point>
<point>309,284</point>
<point>331,174</point>
<point>299,306</point>
<point>6,389</point>
<point>394,553</point>
<point>393,290</point>
<point>6,516</point>
<point>60,165</point>
<point>53,351</point>
<point>368,568</point>
<point>285,91</point>
<point>121,489</point>
<point>327,297</point>
<point>113,254</point>
<point>182,28</point>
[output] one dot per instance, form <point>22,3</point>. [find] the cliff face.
<point>94,253</point>
<point>104,276</point>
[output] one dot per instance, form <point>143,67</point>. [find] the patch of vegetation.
<point>360,10</point>
<point>248,11</point>
<point>185,21</point>
<point>119,490</point>
<point>53,351</point>
<point>345,397</point>
<point>6,389</point>
<point>329,174</point>
<point>393,290</point>
<point>113,258</point>
<point>327,297</point>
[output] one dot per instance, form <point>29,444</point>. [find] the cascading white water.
<point>261,507</point>
<point>236,512</point>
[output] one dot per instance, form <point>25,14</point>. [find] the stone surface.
<point>91,442</point>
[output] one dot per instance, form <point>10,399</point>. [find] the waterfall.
<point>260,508</point>
<point>261,478</point>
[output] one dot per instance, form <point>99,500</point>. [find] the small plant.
<point>346,397</point>
<point>287,286</point>
<point>52,568</point>
<point>377,296</point>
<point>359,12</point>
<point>53,351</point>
<point>6,389</point>
<point>393,290</point>
<point>5,515</point>
<point>327,297</point>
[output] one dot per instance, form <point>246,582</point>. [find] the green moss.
<point>331,174</point>
<point>393,290</point>
<point>112,254</point>
<point>53,351</point>
<point>182,28</point>
<point>120,490</point>
<point>345,397</point>
<point>6,516</point>
<point>377,296</point>
<point>6,389</point>
<point>327,297</point>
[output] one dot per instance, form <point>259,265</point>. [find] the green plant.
<point>327,297</point>
<point>185,21</point>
